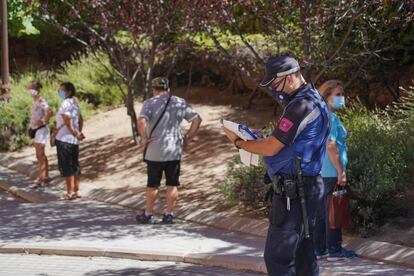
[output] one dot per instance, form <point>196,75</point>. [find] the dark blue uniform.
<point>302,128</point>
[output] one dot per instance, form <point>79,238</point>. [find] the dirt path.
<point>110,160</point>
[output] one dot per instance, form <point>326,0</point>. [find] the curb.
<point>252,264</point>
<point>365,248</point>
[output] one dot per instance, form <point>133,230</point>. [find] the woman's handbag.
<point>338,206</point>
<point>53,133</point>
<point>32,131</point>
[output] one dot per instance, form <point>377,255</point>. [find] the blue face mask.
<point>62,94</point>
<point>280,96</point>
<point>338,102</point>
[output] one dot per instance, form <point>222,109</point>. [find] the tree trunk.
<point>190,74</point>
<point>148,76</point>
<point>129,103</point>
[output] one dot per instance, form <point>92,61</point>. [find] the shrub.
<point>381,146</point>
<point>378,166</point>
<point>244,184</point>
<point>95,79</point>
<point>94,84</point>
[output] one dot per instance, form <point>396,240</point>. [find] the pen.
<point>259,130</point>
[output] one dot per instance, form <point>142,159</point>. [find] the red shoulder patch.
<point>285,124</point>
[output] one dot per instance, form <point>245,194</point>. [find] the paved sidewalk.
<point>35,265</point>
<point>88,228</point>
<point>15,178</point>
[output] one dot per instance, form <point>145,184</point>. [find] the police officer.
<point>293,152</point>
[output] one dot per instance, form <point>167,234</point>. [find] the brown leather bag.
<point>339,209</point>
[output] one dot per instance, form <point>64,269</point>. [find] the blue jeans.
<point>325,237</point>
<point>287,252</point>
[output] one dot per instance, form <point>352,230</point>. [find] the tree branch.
<point>332,57</point>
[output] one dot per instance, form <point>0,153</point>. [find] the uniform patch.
<point>285,124</point>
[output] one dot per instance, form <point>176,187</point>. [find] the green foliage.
<point>381,146</point>
<point>21,21</point>
<point>244,184</point>
<point>95,79</point>
<point>95,88</point>
<point>378,165</point>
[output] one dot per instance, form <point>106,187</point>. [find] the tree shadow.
<point>89,224</point>
<point>171,270</point>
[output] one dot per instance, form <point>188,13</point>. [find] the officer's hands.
<point>230,134</point>
<point>342,179</point>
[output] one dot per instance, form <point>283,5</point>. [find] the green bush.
<point>244,184</point>
<point>15,113</point>
<point>378,166</point>
<point>95,79</point>
<point>93,82</point>
<point>381,160</point>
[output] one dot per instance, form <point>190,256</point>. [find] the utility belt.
<point>287,186</point>
<point>283,189</point>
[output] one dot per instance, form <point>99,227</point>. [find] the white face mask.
<point>33,92</point>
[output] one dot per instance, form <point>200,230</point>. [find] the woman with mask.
<point>39,119</point>
<point>328,241</point>
<point>69,125</point>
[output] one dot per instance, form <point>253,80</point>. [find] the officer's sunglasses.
<point>274,86</point>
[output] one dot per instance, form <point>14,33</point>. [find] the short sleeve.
<point>293,120</point>
<point>65,108</point>
<point>189,113</point>
<point>146,111</point>
<point>44,105</point>
<point>333,133</point>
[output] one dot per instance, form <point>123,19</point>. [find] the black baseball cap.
<point>277,67</point>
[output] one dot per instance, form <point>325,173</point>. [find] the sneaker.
<point>341,255</point>
<point>144,219</point>
<point>321,255</point>
<point>167,219</point>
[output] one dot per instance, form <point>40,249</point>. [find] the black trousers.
<point>287,252</point>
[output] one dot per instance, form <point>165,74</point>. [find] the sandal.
<point>76,195</point>
<point>69,196</point>
<point>36,185</point>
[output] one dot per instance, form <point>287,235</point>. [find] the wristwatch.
<point>235,142</point>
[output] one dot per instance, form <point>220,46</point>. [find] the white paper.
<point>246,157</point>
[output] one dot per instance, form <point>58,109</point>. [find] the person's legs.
<point>320,239</point>
<point>283,238</point>
<point>70,184</point>
<point>151,194</point>
<point>172,175</point>
<point>333,236</point>
<point>172,196</point>
<point>154,175</point>
<point>76,168</point>
<point>306,261</point>
<point>42,161</point>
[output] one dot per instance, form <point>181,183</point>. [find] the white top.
<point>39,109</point>
<point>70,108</point>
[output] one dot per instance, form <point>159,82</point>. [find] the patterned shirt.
<point>39,110</point>
<point>168,138</point>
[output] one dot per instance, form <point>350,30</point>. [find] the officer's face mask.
<point>279,95</point>
<point>338,102</point>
